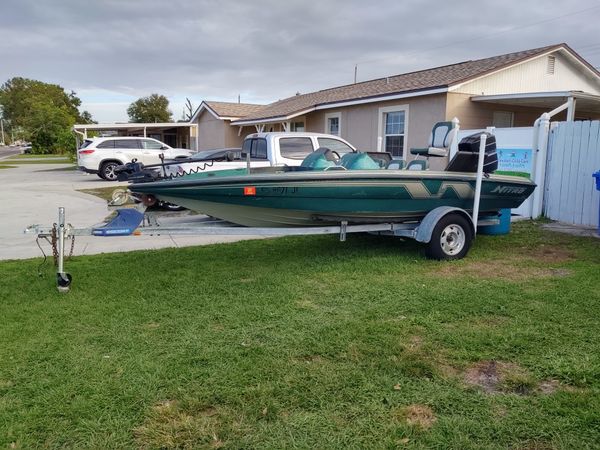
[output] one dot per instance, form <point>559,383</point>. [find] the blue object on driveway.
<point>597,177</point>
<point>126,222</point>
<point>501,228</point>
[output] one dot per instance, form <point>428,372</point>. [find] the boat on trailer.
<point>327,189</point>
<point>326,195</point>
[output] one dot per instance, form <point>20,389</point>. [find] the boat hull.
<point>317,198</point>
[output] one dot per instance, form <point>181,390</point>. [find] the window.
<point>106,144</point>
<point>256,147</point>
<point>295,148</point>
<point>502,119</point>
<point>151,145</point>
<point>394,133</point>
<point>335,145</point>
<point>333,123</point>
<point>86,143</point>
<point>297,126</point>
<point>127,143</point>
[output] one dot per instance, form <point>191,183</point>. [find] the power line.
<point>518,27</point>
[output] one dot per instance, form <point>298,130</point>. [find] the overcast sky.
<point>111,52</point>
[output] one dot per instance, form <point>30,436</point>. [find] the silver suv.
<point>102,155</point>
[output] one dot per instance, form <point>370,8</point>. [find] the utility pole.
<point>2,128</point>
<point>355,72</point>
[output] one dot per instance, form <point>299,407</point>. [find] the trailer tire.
<point>451,238</point>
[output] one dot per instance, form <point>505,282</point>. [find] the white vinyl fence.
<point>573,156</point>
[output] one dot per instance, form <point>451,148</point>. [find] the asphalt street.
<point>32,193</point>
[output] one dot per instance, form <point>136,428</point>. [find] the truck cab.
<point>278,149</point>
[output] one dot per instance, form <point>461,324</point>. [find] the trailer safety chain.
<point>54,244</point>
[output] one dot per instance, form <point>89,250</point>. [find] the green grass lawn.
<point>33,161</point>
<point>307,343</point>
<point>6,167</point>
<point>39,156</point>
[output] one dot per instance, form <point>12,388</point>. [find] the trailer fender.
<point>425,228</point>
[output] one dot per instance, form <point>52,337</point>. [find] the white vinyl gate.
<point>573,156</point>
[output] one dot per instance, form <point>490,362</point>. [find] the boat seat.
<point>358,161</point>
<point>396,164</point>
<point>441,138</point>
<point>322,158</point>
<point>418,164</point>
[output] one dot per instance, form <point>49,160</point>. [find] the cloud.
<point>265,49</point>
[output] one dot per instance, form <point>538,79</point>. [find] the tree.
<point>188,110</point>
<point>42,113</point>
<point>154,108</point>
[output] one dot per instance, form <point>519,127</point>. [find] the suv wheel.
<point>107,171</point>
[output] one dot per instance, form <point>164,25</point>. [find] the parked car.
<point>27,149</point>
<point>265,149</point>
<point>102,155</point>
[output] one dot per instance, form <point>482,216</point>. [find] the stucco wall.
<point>360,123</point>
<point>214,133</point>
<point>211,132</point>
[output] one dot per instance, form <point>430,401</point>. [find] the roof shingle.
<point>226,109</point>
<point>437,77</point>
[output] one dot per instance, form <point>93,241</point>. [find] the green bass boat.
<point>325,190</point>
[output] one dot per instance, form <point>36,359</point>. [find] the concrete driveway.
<point>31,194</point>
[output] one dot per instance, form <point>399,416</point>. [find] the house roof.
<point>429,81</point>
<point>227,110</point>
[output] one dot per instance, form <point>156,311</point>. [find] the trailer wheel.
<point>451,238</point>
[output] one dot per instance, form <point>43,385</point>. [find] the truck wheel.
<point>451,238</point>
<point>107,171</point>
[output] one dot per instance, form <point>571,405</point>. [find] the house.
<point>397,112</point>
<point>214,119</point>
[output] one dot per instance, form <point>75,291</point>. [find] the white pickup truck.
<point>267,149</point>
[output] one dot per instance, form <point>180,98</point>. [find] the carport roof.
<point>129,126</point>
<point>588,103</point>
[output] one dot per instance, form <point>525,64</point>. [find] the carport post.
<point>144,131</point>
<point>571,109</point>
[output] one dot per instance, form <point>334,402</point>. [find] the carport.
<point>578,105</point>
<point>174,134</point>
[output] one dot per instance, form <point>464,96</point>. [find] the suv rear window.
<point>86,143</point>
<point>295,148</point>
<point>106,144</point>
<point>127,143</point>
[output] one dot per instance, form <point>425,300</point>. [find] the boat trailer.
<point>131,222</point>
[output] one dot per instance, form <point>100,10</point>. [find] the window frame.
<point>293,123</point>
<point>381,135</point>
<point>334,115</point>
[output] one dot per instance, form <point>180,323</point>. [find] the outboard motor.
<point>136,173</point>
<point>467,156</point>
